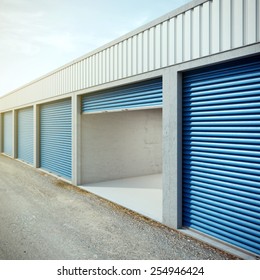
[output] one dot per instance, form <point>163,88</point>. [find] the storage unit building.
<point>164,120</point>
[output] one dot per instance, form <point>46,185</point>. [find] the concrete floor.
<point>142,194</point>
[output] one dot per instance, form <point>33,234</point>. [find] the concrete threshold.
<point>141,194</point>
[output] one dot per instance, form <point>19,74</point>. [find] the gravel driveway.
<point>44,218</point>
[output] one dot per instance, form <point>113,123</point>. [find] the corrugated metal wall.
<point>8,133</point>
<point>221,158</point>
<point>138,95</point>
<point>25,135</point>
<point>56,138</point>
<point>209,27</point>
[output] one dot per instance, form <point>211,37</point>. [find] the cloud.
<point>62,41</point>
<point>26,30</point>
<point>18,30</point>
<point>38,36</point>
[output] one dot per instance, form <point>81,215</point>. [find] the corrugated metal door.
<point>55,137</point>
<point>137,95</point>
<point>221,152</point>
<point>8,133</point>
<point>25,134</point>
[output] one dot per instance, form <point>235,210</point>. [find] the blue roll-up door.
<point>8,133</point>
<point>25,135</point>
<point>55,138</point>
<point>221,152</point>
<point>138,95</point>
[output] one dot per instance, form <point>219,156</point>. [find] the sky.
<point>38,36</point>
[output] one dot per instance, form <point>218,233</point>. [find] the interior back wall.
<point>121,145</point>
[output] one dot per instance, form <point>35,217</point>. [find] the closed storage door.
<point>8,133</point>
<point>221,152</point>
<point>137,95</point>
<point>25,134</point>
<point>55,139</point>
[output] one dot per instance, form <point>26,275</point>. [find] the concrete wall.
<point>1,133</point>
<point>121,145</point>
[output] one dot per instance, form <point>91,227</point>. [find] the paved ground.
<point>44,218</point>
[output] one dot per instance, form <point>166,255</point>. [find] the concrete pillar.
<point>15,133</point>
<point>172,148</point>
<point>1,133</point>
<point>36,136</point>
<point>76,140</point>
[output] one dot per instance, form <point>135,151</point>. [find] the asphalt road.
<point>43,218</point>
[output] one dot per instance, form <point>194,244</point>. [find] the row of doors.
<point>55,136</point>
<point>221,144</point>
<point>56,123</point>
<point>25,134</point>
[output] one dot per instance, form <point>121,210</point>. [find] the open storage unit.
<point>122,147</point>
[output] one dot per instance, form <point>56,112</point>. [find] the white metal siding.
<point>25,134</point>
<point>207,28</point>
<point>8,133</point>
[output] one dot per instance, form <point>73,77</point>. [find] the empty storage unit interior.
<point>121,148</point>
<point>164,121</point>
